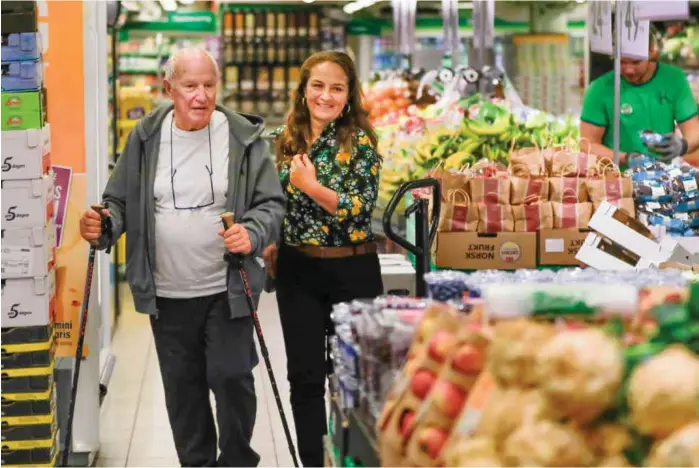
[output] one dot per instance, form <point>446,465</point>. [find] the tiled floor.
<point>134,430</point>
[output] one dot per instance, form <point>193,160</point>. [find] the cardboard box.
<point>19,16</point>
<point>29,252</point>
<point>560,246</point>
<point>29,302</point>
<point>22,76</point>
<point>21,46</point>
<point>23,110</point>
<point>481,251</point>
<point>26,153</point>
<point>27,203</point>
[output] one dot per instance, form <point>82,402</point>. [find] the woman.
<point>329,170</point>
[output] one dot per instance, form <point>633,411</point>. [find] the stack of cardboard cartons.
<point>29,425</point>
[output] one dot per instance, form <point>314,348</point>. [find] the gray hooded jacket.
<point>254,195</point>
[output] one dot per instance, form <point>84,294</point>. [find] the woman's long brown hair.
<point>296,136</point>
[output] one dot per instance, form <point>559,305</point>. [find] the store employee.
<point>654,96</point>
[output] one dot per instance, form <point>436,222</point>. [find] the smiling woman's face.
<point>326,92</point>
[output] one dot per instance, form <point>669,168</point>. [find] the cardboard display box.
<point>481,251</point>
<point>27,203</point>
<point>23,110</point>
<point>28,302</point>
<point>28,252</point>
<point>26,153</point>
<point>560,246</point>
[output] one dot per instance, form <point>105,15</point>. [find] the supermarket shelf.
<point>361,447</point>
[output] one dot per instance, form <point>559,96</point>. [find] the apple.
<point>432,440</point>
<point>406,422</point>
<point>468,359</point>
<point>441,345</point>
<point>422,382</point>
<point>449,398</point>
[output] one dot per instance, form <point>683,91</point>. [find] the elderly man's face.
<point>193,91</point>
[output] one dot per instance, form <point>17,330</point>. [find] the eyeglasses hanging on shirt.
<point>173,171</point>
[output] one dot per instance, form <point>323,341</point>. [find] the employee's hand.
<point>303,173</point>
<point>270,257</point>
<point>237,239</point>
<point>91,225</point>
<point>672,147</point>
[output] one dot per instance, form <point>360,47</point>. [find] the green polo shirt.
<point>655,105</point>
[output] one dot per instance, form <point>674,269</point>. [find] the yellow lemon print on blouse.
<point>343,157</point>
<point>325,229</point>
<point>356,206</point>
<point>364,140</point>
<point>374,170</point>
<point>342,213</point>
<point>290,188</point>
<point>357,235</point>
<point>312,242</point>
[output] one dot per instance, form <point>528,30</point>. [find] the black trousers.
<point>307,288</point>
<point>200,348</point>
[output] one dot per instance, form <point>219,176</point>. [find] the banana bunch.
<point>489,131</point>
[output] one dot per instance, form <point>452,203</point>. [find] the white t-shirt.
<point>191,184</point>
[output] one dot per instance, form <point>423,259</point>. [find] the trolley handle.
<point>393,204</point>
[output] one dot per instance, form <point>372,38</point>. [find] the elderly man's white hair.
<point>171,69</point>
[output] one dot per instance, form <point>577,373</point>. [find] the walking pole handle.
<point>227,219</point>
<point>100,210</point>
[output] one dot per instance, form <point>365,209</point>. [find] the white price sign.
<point>662,10</point>
<point>635,33</point>
<point>601,27</point>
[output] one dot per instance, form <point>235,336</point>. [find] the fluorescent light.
<point>169,5</point>
<point>354,7</point>
<point>308,1</point>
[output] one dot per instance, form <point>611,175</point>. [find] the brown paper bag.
<point>567,163</point>
<point>458,214</point>
<point>609,188</point>
<point>534,217</point>
<point>527,190</point>
<point>625,204</point>
<point>495,218</point>
<point>453,181</point>
<point>527,161</point>
<point>567,190</point>
<point>571,215</point>
<point>490,190</point>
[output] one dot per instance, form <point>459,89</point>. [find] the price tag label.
<point>635,33</point>
<point>662,10</point>
<point>601,27</point>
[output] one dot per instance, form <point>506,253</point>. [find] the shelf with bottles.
<point>263,50</point>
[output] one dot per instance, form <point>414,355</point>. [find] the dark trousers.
<point>307,288</point>
<point>200,348</point>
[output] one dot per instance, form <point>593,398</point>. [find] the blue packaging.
<point>21,46</point>
<point>22,76</point>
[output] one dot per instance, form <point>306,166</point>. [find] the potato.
<point>679,449</point>
<point>546,443</point>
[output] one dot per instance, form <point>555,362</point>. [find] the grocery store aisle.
<point>134,427</point>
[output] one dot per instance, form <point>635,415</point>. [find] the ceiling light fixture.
<point>169,5</point>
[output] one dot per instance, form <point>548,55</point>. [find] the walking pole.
<point>67,444</point>
<point>237,262</point>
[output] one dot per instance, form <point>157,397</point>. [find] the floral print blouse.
<point>355,178</point>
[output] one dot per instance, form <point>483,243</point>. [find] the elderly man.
<point>183,166</point>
